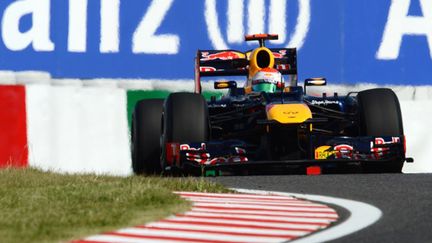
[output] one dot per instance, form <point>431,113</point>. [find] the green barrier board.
<point>133,96</point>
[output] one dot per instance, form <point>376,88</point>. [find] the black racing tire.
<point>185,119</point>
<point>380,115</point>
<point>145,136</point>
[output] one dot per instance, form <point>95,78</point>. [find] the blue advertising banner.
<point>385,42</point>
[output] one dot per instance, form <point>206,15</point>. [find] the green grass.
<point>39,206</point>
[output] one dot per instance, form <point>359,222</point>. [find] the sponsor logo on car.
<point>376,146</point>
<point>279,54</point>
<point>207,69</point>
<point>185,146</point>
<point>282,67</point>
<point>325,102</point>
<point>324,152</point>
<point>341,151</point>
<point>224,55</point>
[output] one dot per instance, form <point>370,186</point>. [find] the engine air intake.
<point>263,59</point>
<point>260,58</point>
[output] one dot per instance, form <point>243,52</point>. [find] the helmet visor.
<point>264,87</point>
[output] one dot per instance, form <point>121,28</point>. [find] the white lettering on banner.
<point>399,23</point>
<point>144,38</point>
<point>39,33</point>
<point>302,27</point>
<point>277,18</point>
<point>77,38</point>
<point>211,18</point>
<point>256,16</point>
<point>235,29</point>
<point>110,26</point>
<point>256,22</point>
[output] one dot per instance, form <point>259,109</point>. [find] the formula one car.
<point>270,125</point>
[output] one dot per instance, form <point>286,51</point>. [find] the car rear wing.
<point>210,63</point>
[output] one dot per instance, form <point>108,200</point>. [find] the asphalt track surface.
<point>404,199</point>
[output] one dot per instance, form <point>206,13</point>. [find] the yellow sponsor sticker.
<point>324,152</point>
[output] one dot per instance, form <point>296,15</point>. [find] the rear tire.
<point>185,119</point>
<point>145,138</point>
<point>380,115</point>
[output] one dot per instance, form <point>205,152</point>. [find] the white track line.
<point>265,213</point>
<point>261,218</point>
<point>229,229</point>
<point>362,215</point>
<point>261,207</point>
<point>206,236</point>
<point>246,223</point>
<point>119,239</point>
<point>223,231</point>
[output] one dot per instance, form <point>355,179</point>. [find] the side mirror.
<point>225,85</point>
<point>314,82</point>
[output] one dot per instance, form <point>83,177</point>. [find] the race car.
<point>270,125</point>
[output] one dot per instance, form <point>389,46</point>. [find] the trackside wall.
<point>78,129</point>
<point>13,138</point>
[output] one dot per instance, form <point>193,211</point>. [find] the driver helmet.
<point>267,80</point>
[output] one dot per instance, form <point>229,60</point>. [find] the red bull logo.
<point>343,151</point>
<point>282,67</point>
<point>224,55</point>
<point>280,54</point>
<point>207,69</point>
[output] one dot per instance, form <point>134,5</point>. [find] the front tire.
<point>185,120</point>
<point>380,115</point>
<point>146,130</point>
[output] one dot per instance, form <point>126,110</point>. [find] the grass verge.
<point>39,206</point>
